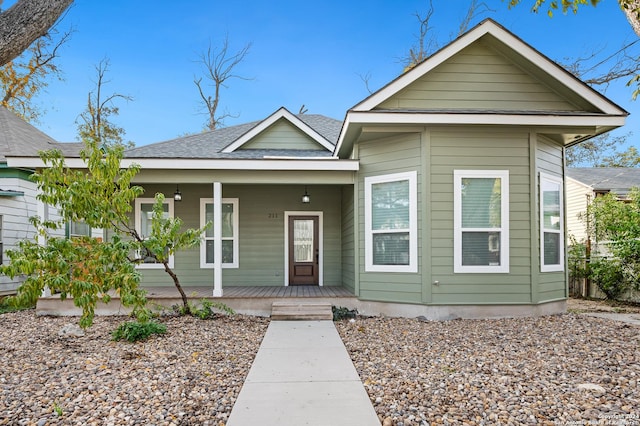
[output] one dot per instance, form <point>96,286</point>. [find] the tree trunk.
<point>176,282</point>
<point>631,8</point>
<point>26,21</point>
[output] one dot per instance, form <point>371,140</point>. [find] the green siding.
<point>348,239</point>
<point>478,77</point>
<point>379,157</point>
<point>261,233</point>
<point>466,148</point>
<point>282,135</point>
<point>549,160</point>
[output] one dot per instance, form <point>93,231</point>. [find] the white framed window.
<point>551,224</point>
<point>143,216</point>
<point>391,223</point>
<point>230,231</point>
<point>481,221</point>
<point>79,229</point>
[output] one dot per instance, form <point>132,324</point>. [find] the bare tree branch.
<point>475,10</point>
<point>25,22</point>
<point>219,68</point>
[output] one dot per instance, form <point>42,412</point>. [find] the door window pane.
<point>303,240</point>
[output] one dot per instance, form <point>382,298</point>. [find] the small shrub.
<point>205,310</point>
<point>12,304</point>
<point>341,313</point>
<point>134,331</point>
<point>609,276</point>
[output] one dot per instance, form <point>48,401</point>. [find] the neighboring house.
<point>439,195</point>
<point>17,193</point>
<point>586,183</point>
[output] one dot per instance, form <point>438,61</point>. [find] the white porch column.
<point>42,211</point>
<point>217,239</point>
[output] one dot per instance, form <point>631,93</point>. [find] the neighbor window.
<point>391,225</point>
<point>79,229</point>
<point>143,218</point>
<point>481,221</point>
<point>551,224</point>
<point>229,223</point>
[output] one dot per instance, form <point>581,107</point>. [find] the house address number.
<point>272,215</point>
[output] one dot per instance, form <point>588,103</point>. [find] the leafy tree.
<point>219,68</point>
<point>86,268</point>
<point>616,225</point>
<point>631,9</point>
<point>603,151</point>
<point>89,269</point>
<point>23,78</point>
<point>25,22</point>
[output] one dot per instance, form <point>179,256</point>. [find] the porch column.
<point>42,211</point>
<point>217,239</point>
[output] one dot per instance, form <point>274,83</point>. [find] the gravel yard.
<point>550,370</point>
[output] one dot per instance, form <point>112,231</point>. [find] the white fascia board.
<point>480,118</point>
<point>263,125</point>
<point>204,164</point>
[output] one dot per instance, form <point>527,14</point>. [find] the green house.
<point>441,194</point>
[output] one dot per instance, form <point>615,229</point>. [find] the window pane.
<point>209,250</point>
<point>390,205</point>
<point>79,228</point>
<point>481,202</point>
<point>391,249</point>
<point>551,248</point>
<point>303,240</point>
<point>551,201</point>
<point>481,248</point>
<point>208,217</point>
<point>227,251</point>
<point>146,214</point>
<point>227,220</point>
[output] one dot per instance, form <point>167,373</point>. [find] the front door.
<point>303,250</point>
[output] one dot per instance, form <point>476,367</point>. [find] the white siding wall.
<point>16,212</point>
<point>576,204</point>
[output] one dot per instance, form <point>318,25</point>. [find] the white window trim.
<point>138,224</point>
<point>458,267</point>
<point>554,267</point>
<point>412,267</point>
<point>236,232</point>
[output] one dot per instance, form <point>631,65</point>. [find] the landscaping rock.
<point>71,330</point>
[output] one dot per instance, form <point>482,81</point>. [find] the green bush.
<point>134,331</point>
<point>206,310</point>
<point>11,304</point>
<point>341,313</point>
<point>609,276</point>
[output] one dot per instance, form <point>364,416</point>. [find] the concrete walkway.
<point>628,318</point>
<point>302,375</point>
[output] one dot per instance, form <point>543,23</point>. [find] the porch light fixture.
<point>306,199</point>
<point>177,196</point>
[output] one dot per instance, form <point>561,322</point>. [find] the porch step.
<point>287,311</point>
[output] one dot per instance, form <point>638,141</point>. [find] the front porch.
<point>242,299</point>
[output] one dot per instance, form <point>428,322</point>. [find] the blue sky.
<point>309,53</point>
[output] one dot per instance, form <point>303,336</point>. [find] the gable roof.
<point>593,113</point>
<point>604,179</point>
<point>225,142</point>
<point>19,138</point>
